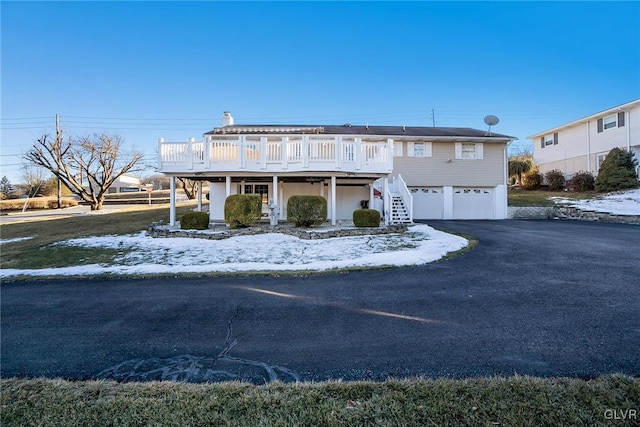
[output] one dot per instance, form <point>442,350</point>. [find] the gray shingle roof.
<point>347,129</point>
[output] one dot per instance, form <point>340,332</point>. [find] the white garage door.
<point>473,203</point>
<point>428,202</point>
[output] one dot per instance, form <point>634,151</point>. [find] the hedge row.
<point>36,203</point>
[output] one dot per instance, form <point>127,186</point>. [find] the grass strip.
<point>514,401</point>
<point>39,252</point>
<point>539,198</point>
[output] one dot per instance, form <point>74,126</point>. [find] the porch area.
<point>344,195</point>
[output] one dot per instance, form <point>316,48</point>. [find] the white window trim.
<point>548,140</point>
<point>613,119</point>
<point>428,149</point>
<point>478,152</point>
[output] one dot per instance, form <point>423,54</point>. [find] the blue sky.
<point>146,70</point>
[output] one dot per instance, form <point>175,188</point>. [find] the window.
<point>611,122</point>
<point>468,151</point>
<point>261,189</point>
<point>548,140</point>
<point>419,149</point>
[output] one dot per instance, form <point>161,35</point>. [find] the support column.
<point>228,186</point>
<point>172,201</point>
<point>333,200</point>
<point>273,203</point>
<point>386,194</point>
<point>371,194</point>
<point>199,196</point>
<point>210,185</point>
<point>281,202</point>
<point>275,188</point>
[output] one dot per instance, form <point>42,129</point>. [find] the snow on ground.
<point>17,239</point>
<point>624,203</point>
<point>142,254</point>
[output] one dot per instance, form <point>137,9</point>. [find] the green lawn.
<point>40,252</point>
<point>515,401</point>
<point>541,198</point>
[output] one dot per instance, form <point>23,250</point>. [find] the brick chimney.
<point>227,119</point>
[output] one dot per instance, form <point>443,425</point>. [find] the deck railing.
<point>251,153</point>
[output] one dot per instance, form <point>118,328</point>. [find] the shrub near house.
<point>242,210</point>
<point>617,172</point>
<point>194,221</point>
<point>581,181</point>
<point>307,211</point>
<point>554,179</point>
<point>366,218</point>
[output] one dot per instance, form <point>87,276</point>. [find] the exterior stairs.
<point>399,212</point>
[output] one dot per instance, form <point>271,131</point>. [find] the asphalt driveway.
<point>545,298</point>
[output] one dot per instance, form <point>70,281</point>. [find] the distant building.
<point>583,144</point>
<point>125,183</point>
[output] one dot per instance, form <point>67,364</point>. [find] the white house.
<point>405,172</point>
<point>125,183</point>
<point>583,144</point>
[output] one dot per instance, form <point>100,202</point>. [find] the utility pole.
<point>59,142</point>
<point>433,117</point>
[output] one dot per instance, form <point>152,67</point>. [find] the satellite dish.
<point>491,120</point>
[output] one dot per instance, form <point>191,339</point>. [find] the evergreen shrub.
<point>307,211</point>
<point>194,221</point>
<point>617,172</point>
<point>366,218</point>
<point>242,210</point>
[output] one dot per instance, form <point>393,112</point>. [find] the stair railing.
<point>400,187</point>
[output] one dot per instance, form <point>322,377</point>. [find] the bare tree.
<point>34,180</point>
<point>190,187</point>
<point>88,166</point>
<point>159,181</point>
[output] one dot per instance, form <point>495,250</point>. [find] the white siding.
<point>580,143</point>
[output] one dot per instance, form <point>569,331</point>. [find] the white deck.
<point>276,154</point>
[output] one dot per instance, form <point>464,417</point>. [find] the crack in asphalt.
<point>197,369</point>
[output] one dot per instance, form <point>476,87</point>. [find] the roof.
<point>348,129</point>
<point>618,108</point>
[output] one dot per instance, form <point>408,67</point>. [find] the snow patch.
<point>17,239</point>
<point>142,254</point>
<point>623,203</point>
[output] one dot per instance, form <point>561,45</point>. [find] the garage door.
<point>428,202</point>
<point>473,203</point>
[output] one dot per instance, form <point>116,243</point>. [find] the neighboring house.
<point>405,172</point>
<point>125,183</point>
<point>582,145</point>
